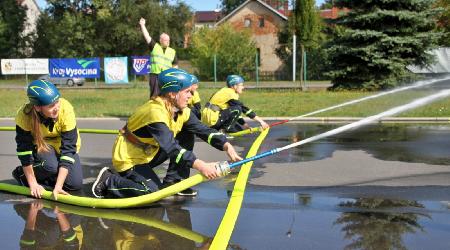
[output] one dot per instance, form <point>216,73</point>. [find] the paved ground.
<point>343,168</point>
<point>95,151</point>
<point>290,202</point>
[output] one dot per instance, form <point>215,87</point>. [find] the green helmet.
<point>173,80</point>
<point>234,79</point>
<point>42,93</point>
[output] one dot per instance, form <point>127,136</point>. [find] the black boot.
<point>19,176</point>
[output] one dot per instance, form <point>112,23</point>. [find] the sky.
<point>195,4</point>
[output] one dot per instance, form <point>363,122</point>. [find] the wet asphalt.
<point>375,187</point>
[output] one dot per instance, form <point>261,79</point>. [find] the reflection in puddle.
<point>52,225</point>
<point>379,230</point>
<point>344,217</point>
<point>268,220</point>
<point>45,228</point>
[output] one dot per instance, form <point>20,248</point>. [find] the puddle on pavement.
<point>285,218</point>
<point>395,142</point>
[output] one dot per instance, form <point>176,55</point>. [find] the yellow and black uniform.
<point>61,134</point>
<point>154,126</point>
<point>186,140</point>
<point>223,111</point>
<point>161,59</point>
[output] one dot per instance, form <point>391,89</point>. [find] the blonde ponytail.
<point>36,132</point>
<point>168,102</point>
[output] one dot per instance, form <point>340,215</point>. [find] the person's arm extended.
<point>68,149</point>
<point>249,113</point>
<point>25,146</point>
<point>35,189</point>
<point>264,125</point>
<point>144,30</point>
<point>168,144</point>
<point>58,189</point>
<point>211,136</point>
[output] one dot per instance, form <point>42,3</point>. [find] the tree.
<point>327,4</point>
<point>444,22</point>
<point>87,28</point>
<point>12,25</point>
<point>234,50</point>
<point>305,23</point>
<point>368,229</point>
<point>229,5</point>
<point>379,40</point>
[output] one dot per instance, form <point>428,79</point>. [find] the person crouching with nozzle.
<point>148,139</point>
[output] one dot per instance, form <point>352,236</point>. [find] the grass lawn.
<point>122,102</point>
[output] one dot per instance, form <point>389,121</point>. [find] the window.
<point>261,22</point>
<point>247,22</point>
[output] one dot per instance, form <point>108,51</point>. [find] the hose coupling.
<point>223,168</point>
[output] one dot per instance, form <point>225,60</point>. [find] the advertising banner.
<point>75,67</point>
<point>141,65</point>
<point>116,70</point>
<point>28,66</point>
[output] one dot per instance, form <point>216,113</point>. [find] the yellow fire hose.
<point>137,201</point>
<point>226,227</point>
<point>115,131</point>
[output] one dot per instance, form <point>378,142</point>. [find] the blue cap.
<point>173,80</point>
<point>42,93</point>
<point>234,79</point>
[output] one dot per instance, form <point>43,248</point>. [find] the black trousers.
<point>228,120</point>
<point>153,85</point>
<point>136,181</point>
<point>177,172</point>
<point>46,166</point>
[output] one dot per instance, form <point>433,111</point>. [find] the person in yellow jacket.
<point>223,111</point>
<point>186,139</point>
<point>148,139</point>
<point>162,57</point>
<point>48,142</point>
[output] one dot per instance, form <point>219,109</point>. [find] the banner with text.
<point>28,66</point>
<point>116,69</point>
<point>75,67</point>
<point>141,65</point>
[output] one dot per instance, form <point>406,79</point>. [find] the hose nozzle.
<point>223,168</point>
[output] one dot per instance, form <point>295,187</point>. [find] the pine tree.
<point>380,38</point>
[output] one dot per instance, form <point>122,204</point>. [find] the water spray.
<point>225,167</point>
<point>416,85</point>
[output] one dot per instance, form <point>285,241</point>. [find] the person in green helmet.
<point>48,142</point>
<point>223,110</point>
<point>148,139</point>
